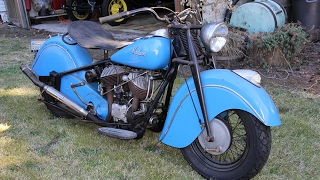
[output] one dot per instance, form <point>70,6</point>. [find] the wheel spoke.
<point>112,7</point>
<point>239,138</point>
<point>240,159</point>
<point>79,15</point>
<point>120,4</point>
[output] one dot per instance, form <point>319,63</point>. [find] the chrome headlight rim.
<point>214,36</point>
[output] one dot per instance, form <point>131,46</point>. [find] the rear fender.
<point>223,90</point>
<point>56,55</point>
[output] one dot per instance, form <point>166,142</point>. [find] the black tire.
<point>110,7</point>
<point>158,127</point>
<point>74,15</point>
<point>51,103</point>
<point>247,154</point>
<point>57,112</point>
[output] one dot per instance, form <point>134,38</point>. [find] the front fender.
<point>223,90</point>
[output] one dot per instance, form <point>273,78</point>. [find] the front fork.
<point>198,84</point>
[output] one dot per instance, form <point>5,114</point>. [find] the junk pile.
<point>265,32</point>
<point>41,6</point>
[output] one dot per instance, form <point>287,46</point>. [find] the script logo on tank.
<point>137,52</point>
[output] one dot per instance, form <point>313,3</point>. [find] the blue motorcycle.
<point>219,118</point>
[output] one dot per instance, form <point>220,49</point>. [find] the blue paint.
<point>223,90</point>
<point>55,55</point>
<point>150,53</point>
<point>87,92</point>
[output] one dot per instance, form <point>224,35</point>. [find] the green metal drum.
<point>259,16</point>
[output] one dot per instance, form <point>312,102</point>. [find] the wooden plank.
<point>49,16</point>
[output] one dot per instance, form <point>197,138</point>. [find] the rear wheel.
<point>241,154</point>
<point>52,104</point>
<point>111,7</point>
<point>76,15</point>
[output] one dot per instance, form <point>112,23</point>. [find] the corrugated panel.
<point>3,12</point>
<point>2,6</point>
<point>4,17</point>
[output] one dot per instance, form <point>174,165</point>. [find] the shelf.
<point>48,16</point>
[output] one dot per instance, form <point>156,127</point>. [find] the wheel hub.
<point>222,138</point>
<point>115,8</point>
<point>79,15</point>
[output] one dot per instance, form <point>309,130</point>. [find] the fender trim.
<point>60,56</point>
<point>223,90</point>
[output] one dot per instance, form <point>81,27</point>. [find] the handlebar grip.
<point>114,17</point>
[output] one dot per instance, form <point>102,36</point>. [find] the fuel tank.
<point>150,53</point>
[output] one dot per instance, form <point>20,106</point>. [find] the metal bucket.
<point>307,12</point>
<point>287,5</point>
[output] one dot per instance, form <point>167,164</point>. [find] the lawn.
<point>36,145</point>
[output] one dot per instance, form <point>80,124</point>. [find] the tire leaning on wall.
<point>110,7</point>
<point>74,15</point>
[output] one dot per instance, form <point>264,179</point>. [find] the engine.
<point>127,92</point>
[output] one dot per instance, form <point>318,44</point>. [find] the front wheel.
<point>111,7</point>
<point>241,153</point>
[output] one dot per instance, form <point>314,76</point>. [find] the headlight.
<point>214,36</point>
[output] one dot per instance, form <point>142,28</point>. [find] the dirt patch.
<point>304,75</point>
<point>11,31</point>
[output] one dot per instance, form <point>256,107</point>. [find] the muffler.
<point>59,96</point>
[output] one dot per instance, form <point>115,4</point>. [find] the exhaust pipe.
<point>59,96</point>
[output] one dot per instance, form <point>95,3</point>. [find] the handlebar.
<point>167,19</point>
<point>127,14</point>
<point>185,26</point>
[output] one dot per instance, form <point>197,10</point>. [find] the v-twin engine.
<point>127,92</point>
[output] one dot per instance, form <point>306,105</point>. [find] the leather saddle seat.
<point>91,35</point>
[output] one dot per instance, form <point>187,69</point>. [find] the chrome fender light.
<point>249,75</point>
<point>214,36</point>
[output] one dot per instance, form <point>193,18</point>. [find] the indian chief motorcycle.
<point>219,118</point>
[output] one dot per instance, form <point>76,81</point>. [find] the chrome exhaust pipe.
<point>59,96</point>
<point>62,98</point>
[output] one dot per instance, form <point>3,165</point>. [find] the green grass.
<point>36,145</point>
